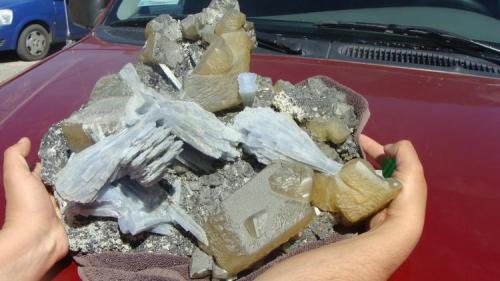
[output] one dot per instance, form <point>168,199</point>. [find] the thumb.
<point>15,165</point>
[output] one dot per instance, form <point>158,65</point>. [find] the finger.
<point>37,170</point>
<point>406,156</point>
<point>15,165</point>
<point>372,148</point>
<point>56,206</point>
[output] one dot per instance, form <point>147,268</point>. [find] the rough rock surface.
<point>313,99</point>
<point>54,153</point>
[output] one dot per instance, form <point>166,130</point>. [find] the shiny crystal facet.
<point>334,130</point>
<point>213,83</point>
<point>293,180</point>
<point>253,221</point>
<point>356,191</point>
<point>271,136</point>
<point>323,193</point>
<point>142,151</point>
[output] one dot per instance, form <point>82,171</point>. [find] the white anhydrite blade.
<point>247,83</point>
<point>170,74</point>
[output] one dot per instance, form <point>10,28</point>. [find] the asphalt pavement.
<point>11,65</point>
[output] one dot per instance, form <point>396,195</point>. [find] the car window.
<point>475,19</point>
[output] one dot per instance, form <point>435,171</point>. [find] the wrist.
<point>27,254</point>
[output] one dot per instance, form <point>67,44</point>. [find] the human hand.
<point>407,210</point>
<point>375,254</point>
<point>32,238</point>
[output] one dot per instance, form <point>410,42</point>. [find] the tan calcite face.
<point>213,83</point>
<point>218,59</point>
<point>76,137</point>
<point>357,192</point>
<point>256,220</point>
<point>333,130</point>
<point>294,181</point>
<point>322,195</point>
<point>232,20</point>
<point>368,191</point>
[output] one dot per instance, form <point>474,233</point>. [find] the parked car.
<point>31,26</point>
<point>429,70</point>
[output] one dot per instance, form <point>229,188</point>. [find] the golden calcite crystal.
<point>213,83</point>
<point>323,195</point>
<point>218,59</point>
<point>356,191</point>
<point>334,130</point>
<point>233,20</point>
<point>364,192</point>
<point>294,180</point>
<point>255,220</point>
<point>76,137</point>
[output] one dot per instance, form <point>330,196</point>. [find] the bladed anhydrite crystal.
<point>188,121</point>
<point>142,151</point>
<point>255,219</point>
<point>356,191</point>
<point>247,83</point>
<point>271,136</point>
<point>137,209</point>
<point>333,130</point>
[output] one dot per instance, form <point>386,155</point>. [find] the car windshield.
<point>474,19</point>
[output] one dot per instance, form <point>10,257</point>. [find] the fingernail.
<point>23,139</point>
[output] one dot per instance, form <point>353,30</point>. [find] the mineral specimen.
<point>253,221</point>
<point>213,83</point>
<point>323,193</point>
<point>356,191</point>
<point>109,86</point>
<point>270,136</point>
<point>137,209</point>
<point>163,34</point>
<point>201,264</point>
<point>149,152</point>
<point>188,121</point>
<point>334,130</point>
<point>233,20</point>
<point>293,180</point>
<point>54,153</point>
<point>265,92</point>
<point>247,83</point>
<point>94,122</point>
<point>202,25</point>
<point>315,98</point>
<point>142,151</point>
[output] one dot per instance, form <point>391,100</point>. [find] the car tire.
<point>33,43</point>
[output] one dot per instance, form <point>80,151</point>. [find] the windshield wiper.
<point>453,41</point>
<point>132,22</point>
<point>277,43</point>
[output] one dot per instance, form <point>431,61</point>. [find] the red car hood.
<point>452,119</point>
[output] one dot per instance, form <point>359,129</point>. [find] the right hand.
<point>407,210</point>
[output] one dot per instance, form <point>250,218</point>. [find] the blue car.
<point>31,26</point>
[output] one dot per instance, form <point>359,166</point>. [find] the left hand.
<point>32,238</point>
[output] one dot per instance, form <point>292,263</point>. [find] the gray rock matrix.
<point>139,168</point>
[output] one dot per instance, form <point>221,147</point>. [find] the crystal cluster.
<point>356,192</point>
<point>211,160</point>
